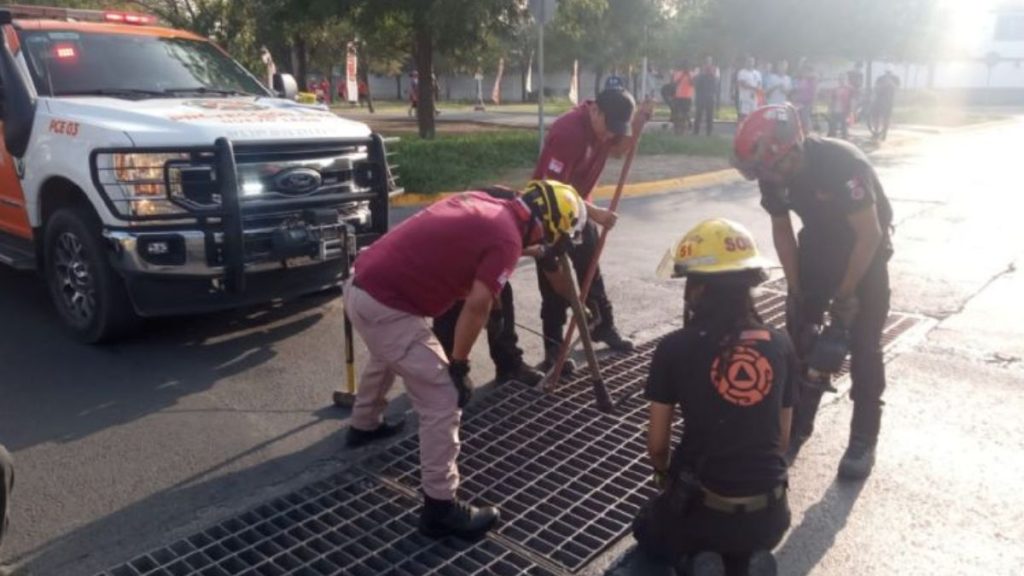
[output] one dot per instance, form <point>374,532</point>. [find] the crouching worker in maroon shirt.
<point>723,504</point>
<point>462,248</point>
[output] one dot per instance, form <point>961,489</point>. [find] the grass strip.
<point>453,162</point>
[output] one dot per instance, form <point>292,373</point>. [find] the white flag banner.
<point>574,84</point>
<point>351,78</point>
<point>529,75</point>
<point>496,93</point>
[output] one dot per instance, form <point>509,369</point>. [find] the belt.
<point>738,504</point>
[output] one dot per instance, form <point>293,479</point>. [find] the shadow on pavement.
<point>91,388</point>
<point>187,507</point>
<point>808,542</point>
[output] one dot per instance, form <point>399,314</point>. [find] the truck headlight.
<point>136,182</point>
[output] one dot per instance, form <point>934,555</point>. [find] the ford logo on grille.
<point>295,181</point>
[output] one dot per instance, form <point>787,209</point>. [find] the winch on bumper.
<point>247,252</point>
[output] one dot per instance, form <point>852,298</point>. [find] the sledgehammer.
<point>604,401</point>
<point>347,398</point>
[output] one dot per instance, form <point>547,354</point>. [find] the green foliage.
<point>456,162</point>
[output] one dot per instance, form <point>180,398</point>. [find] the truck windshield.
<point>70,63</point>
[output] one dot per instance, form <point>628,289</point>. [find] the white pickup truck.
<point>144,172</point>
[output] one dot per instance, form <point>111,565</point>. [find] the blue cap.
<point>615,83</point>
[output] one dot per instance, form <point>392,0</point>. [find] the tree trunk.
<point>301,58</point>
<point>398,86</point>
<point>425,66</point>
<point>364,75</point>
<point>598,72</point>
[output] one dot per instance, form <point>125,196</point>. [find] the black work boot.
<point>609,334</point>
<point>455,518</point>
<point>521,373</point>
<point>604,327</point>
<point>762,563</point>
<point>357,438</point>
<point>858,460</point>
<point>551,357</point>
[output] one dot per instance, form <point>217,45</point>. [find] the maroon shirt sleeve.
<point>562,152</point>
<point>497,264</point>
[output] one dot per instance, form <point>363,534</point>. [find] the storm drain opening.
<point>349,524</point>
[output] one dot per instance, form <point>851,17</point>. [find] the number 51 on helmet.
<point>714,249</point>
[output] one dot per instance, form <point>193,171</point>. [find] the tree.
<point>606,35</point>
<point>443,26</point>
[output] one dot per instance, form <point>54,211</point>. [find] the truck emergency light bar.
<point>75,15</point>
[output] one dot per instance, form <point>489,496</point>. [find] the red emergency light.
<point>127,18</point>
<point>76,15</point>
<point>65,52</point>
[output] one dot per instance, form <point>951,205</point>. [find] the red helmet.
<point>764,138</point>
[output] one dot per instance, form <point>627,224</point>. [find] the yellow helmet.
<point>714,247</point>
<point>558,206</point>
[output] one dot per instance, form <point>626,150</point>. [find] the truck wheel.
<point>89,295</point>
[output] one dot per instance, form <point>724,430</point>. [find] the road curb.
<point>713,178</point>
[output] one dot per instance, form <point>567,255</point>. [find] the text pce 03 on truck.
<point>145,173</point>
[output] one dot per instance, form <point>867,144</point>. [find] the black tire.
<point>89,295</point>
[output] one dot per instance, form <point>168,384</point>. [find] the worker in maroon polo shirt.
<point>463,248</point>
<point>575,152</point>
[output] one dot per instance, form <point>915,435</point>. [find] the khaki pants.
<point>402,344</point>
<point>6,485</point>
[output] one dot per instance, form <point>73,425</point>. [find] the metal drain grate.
<point>350,524</point>
<point>568,479</point>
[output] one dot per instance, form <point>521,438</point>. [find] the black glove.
<point>830,349</point>
<point>459,372</point>
<point>844,311</point>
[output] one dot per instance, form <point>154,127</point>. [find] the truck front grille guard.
<point>375,172</point>
<point>234,236</point>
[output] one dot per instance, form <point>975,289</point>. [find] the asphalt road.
<point>122,448</point>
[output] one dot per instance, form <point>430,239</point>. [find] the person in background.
<point>805,92</point>
<point>855,80</point>
<point>705,88</point>
<point>325,89</point>
<point>734,86</point>
<point>839,109</point>
<point>414,91</point>
<point>363,92</point>
<point>683,79</point>
<point>778,84</point>
<point>748,88</point>
<point>885,95</point>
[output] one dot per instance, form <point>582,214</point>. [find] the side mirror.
<point>285,86</point>
<point>18,98</point>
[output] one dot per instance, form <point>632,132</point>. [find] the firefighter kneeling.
<point>723,500</point>
<point>463,248</point>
